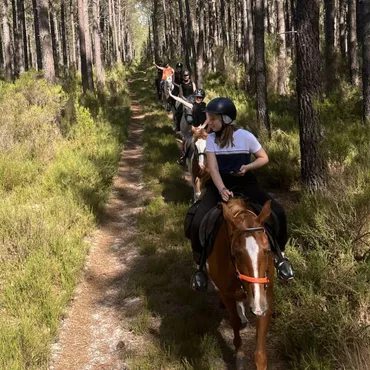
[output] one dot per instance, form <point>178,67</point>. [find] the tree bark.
<point>309,93</point>
<point>260,67</point>
<point>24,32</point>
<point>342,28</point>
<point>54,41</point>
<point>282,69</point>
<point>155,17</point>
<point>64,36</point>
<point>97,45</point>
<point>7,45</point>
<point>352,44</point>
<point>37,34</point>
<point>190,34</point>
<point>365,20</point>
<point>83,54</point>
<point>329,45</point>
<point>73,36</point>
<point>200,49</point>
<point>45,38</point>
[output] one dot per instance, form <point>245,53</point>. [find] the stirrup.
<point>199,281</point>
<point>284,268</point>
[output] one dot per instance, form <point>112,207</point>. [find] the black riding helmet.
<point>179,65</point>
<point>186,73</point>
<point>200,93</point>
<point>166,64</point>
<point>223,107</point>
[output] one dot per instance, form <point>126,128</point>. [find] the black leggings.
<point>248,187</point>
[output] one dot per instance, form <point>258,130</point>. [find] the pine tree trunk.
<point>155,17</point>
<point>190,34</point>
<point>63,31</point>
<point>97,45</point>
<point>352,44</point>
<point>342,28</point>
<point>329,45</point>
<point>282,69</point>
<point>115,33</point>
<point>200,49</point>
<point>7,45</point>
<point>16,44</point>
<point>365,19</point>
<point>54,40</point>
<point>260,67</point>
<point>37,34</point>
<point>88,46</point>
<point>309,93</point>
<point>251,72</point>
<point>82,37</point>
<point>45,38</point>
<point>24,32</point>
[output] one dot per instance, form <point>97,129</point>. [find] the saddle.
<point>213,219</point>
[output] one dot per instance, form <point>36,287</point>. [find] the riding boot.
<point>199,280</point>
<point>283,266</point>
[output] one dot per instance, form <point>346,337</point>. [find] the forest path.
<point>96,333</point>
<point>91,335</point>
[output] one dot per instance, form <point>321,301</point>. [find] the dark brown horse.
<point>241,266</point>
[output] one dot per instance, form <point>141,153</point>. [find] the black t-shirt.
<point>178,78</point>
<point>187,88</point>
<point>199,116</point>
<point>159,73</point>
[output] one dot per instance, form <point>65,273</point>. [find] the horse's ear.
<point>228,215</point>
<point>265,213</point>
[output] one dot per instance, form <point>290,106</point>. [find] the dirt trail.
<point>91,335</point>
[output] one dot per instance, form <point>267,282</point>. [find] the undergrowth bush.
<point>56,168</point>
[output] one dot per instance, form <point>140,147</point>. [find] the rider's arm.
<point>159,67</point>
<point>187,104</point>
<point>213,168</point>
<point>176,84</point>
<point>194,87</point>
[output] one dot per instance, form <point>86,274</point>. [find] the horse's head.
<point>199,140</point>
<point>250,251</point>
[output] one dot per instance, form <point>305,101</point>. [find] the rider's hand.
<point>242,171</point>
<point>202,167</point>
<point>226,194</point>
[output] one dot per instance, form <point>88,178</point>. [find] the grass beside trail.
<point>57,162</point>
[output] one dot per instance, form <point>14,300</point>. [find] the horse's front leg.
<point>260,355</point>
<point>230,305</point>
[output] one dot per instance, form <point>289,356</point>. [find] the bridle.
<point>250,279</point>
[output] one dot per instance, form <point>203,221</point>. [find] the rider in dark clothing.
<point>186,88</point>
<point>197,118</point>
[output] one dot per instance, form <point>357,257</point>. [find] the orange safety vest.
<point>167,72</point>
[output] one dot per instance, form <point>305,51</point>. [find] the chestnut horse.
<point>197,165</point>
<point>241,266</point>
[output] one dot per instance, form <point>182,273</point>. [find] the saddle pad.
<point>209,228</point>
<point>189,218</point>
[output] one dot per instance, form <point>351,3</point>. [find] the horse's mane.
<point>238,206</point>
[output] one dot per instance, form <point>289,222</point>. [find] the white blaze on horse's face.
<point>201,148</point>
<point>258,300</point>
